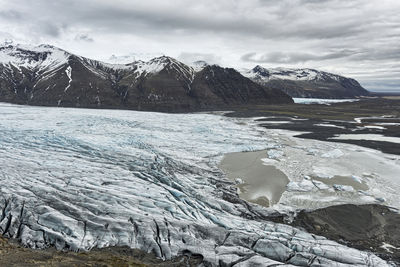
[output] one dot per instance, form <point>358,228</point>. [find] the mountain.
<point>306,82</point>
<point>49,76</point>
<point>199,65</point>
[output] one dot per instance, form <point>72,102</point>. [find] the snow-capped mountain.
<point>43,57</point>
<point>306,82</point>
<point>199,65</point>
<point>46,75</point>
<point>131,57</point>
<point>266,75</point>
<point>168,64</point>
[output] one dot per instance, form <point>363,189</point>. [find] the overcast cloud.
<point>356,38</point>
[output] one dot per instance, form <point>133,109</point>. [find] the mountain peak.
<point>199,65</point>
<point>260,71</point>
<point>164,59</point>
<point>161,63</point>
<point>305,74</point>
<point>306,82</point>
<point>28,56</point>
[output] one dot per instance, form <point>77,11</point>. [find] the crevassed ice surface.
<point>79,179</point>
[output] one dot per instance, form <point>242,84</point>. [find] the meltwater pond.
<point>80,178</point>
<point>257,182</point>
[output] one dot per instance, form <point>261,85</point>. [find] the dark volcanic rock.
<point>49,76</point>
<point>216,86</point>
<point>366,227</point>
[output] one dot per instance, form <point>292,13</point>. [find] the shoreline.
<point>325,122</point>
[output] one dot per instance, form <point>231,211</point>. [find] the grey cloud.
<point>379,54</point>
<point>10,14</point>
<point>189,58</point>
<point>48,28</point>
<point>383,53</point>
<point>34,24</point>
<point>334,34</point>
<point>152,18</point>
<point>387,85</point>
<point>294,57</point>
<point>84,37</point>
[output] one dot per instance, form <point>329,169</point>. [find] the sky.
<point>354,38</point>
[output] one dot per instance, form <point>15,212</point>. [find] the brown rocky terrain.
<point>14,255</point>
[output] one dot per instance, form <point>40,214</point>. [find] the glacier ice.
<point>79,179</point>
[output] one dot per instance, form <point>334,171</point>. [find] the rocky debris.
<point>367,227</point>
<point>14,255</point>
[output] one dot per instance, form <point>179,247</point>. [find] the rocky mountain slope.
<point>46,75</point>
<point>366,227</point>
<point>306,82</point>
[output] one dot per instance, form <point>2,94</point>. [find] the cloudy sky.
<point>356,38</point>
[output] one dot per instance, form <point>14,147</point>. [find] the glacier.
<point>306,101</point>
<point>80,178</point>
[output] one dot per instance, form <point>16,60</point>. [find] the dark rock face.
<point>366,227</point>
<point>49,76</point>
<point>307,83</point>
<point>223,86</point>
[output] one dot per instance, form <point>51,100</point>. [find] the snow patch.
<point>388,247</point>
<point>370,137</point>
<point>68,72</point>
<point>329,125</point>
<point>199,65</point>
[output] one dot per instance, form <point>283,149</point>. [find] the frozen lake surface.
<point>80,178</point>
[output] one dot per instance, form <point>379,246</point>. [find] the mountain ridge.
<point>306,82</point>
<point>49,76</point>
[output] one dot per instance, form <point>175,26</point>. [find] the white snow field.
<point>79,178</point>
